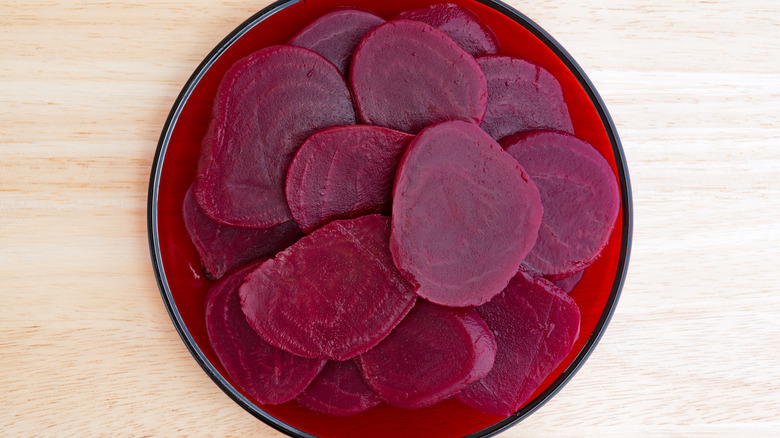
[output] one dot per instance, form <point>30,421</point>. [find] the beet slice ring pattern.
<point>344,172</point>
<point>522,96</point>
<point>266,373</point>
<point>465,214</point>
<point>458,23</point>
<point>407,75</point>
<point>580,195</point>
<point>334,294</point>
<point>267,104</point>
<point>336,34</point>
<point>435,352</point>
<point>339,390</point>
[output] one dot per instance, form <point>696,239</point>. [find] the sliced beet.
<point>407,75</point>
<point>267,374</point>
<point>580,195</point>
<point>465,214</point>
<point>522,96</point>
<point>223,248</point>
<point>535,325</point>
<point>569,283</point>
<point>334,294</point>
<point>344,172</point>
<point>336,34</point>
<point>458,23</point>
<point>339,390</point>
<point>267,104</point>
<point>435,352</point>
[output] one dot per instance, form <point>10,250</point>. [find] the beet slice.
<point>334,294</point>
<point>407,75</point>
<point>580,195</point>
<point>267,104</point>
<point>267,374</point>
<point>465,214</point>
<point>435,352</point>
<point>336,34</point>
<point>223,248</point>
<point>569,283</point>
<point>339,390</point>
<point>344,172</point>
<point>458,23</point>
<point>535,325</point>
<point>522,96</point>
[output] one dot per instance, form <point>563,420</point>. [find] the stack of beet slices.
<point>393,211</point>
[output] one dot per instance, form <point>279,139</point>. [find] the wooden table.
<point>87,348</point>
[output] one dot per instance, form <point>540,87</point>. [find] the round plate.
<point>178,269</point>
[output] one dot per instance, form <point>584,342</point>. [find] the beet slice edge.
<point>339,390</point>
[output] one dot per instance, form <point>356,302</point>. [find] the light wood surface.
<point>87,348</point>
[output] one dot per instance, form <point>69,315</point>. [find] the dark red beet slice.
<point>266,106</point>
<point>435,352</point>
<point>344,172</point>
<point>267,374</point>
<point>223,248</point>
<point>407,75</point>
<point>339,390</point>
<point>458,23</point>
<point>535,325</point>
<point>569,283</point>
<point>334,294</point>
<point>336,34</point>
<point>464,215</point>
<point>580,195</point>
<point>522,96</point>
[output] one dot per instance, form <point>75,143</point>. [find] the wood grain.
<point>87,349</point>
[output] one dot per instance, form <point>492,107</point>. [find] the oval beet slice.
<point>407,75</point>
<point>535,325</point>
<point>435,352</point>
<point>334,294</point>
<point>267,104</point>
<point>569,283</point>
<point>458,23</point>
<point>464,215</point>
<point>267,374</point>
<point>223,248</point>
<point>580,195</point>
<point>522,96</point>
<point>339,390</point>
<point>344,172</point>
<point>336,34</point>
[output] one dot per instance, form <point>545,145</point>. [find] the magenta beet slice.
<point>407,75</point>
<point>522,96</point>
<point>465,214</point>
<point>336,34</point>
<point>267,374</point>
<point>435,352</point>
<point>458,23</point>
<point>334,294</point>
<point>569,283</point>
<point>267,104</point>
<point>535,325</point>
<point>223,248</point>
<point>339,390</point>
<point>580,195</point>
<point>344,172</point>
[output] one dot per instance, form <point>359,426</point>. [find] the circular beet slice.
<point>522,96</point>
<point>580,195</point>
<point>458,23</point>
<point>267,374</point>
<point>406,75</point>
<point>465,214</point>
<point>339,390</point>
<point>435,352</point>
<point>535,325</point>
<point>223,248</point>
<point>336,34</point>
<point>334,294</point>
<point>344,172</point>
<point>267,104</point>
